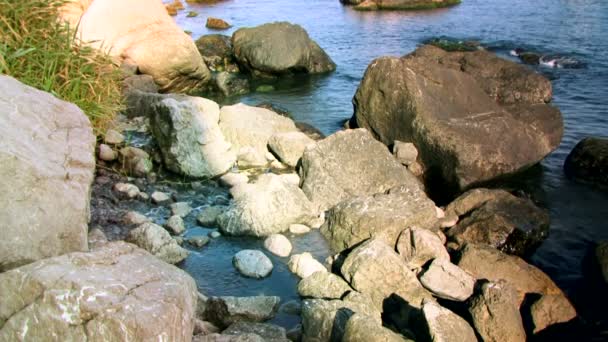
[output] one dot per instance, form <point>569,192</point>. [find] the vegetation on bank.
<point>43,52</point>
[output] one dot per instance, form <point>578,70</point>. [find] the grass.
<point>40,51</point>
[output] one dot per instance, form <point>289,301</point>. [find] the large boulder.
<point>472,116</point>
<point>348,164</point>
<point>360,327</point>
<point>546,311</point>
<point>289,146</point>
<point>156,240</point>
<point>47,164</point>
<point>118,292</point>
<point>187,132</point>
<point>279,48</point>
<point>445,326</point>
<point>323,284</point>
<point>224,311</point>
<point>268,206</point>
<point>141,32</point>
<point>372,5</point>
<point>588,162</point>
<point>382,215</point>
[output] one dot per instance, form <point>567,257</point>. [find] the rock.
<point>381,215</point>
<point>292,178</point>
<point>97,238</point>
<point>179,240</point>
<point>277,165</point>
<point>156,240</point>
<point>601,254</point>
<point>113,137</point>
<point>289,146</point>
<point>448,281</point>
<point>269,332</point>
<point>279,48</point>
<point>135,161</point>
<point>169,55</point>
<point>160,198</point>
<point>181,209</point>
<point>495,313</point>
<point>244,125</point>
<point>360,327</point>
<point>215,234</point>
<point>472,200</point>
<point>323,284</point>
<point>224,311</point>
<point>549,310</point>
<point>47,165</point>
<point>264,88</point>
<point>248,157</point>
<point>216,50</point>
<point>266,207</point>
<point>175,224</point>
<point>324,320</point>
<point>186,129</point>
<point>232,179</point>
<point>588,162</point>
<point>472,95</point>
<point>198,241</point>
<point>373,268</point>
<point>204,328</point>
<point>126,190</point>
<point>332,168</point>
<point>295,334</point>
<point>304,265</point>
<point>511,224</point>
<point>373,5</point>
<point>133,218</point>
<point>298,229</point>
<point>406,153</point>
<point>252,263</point>
<point>485,262</point>
<point>143,83</point>
<point>292,307</point>
<point>114,293</point>
<point>231,84</point>
<point>228,338</point>
<point>445,326</point>
<point>106,153</point>
<point>418,246</point>
<point>278,244</point>
<point>217,24</point>
<point>208,216</point>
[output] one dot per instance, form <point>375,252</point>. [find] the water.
<point>574,28</point>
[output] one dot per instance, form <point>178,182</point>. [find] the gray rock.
<point>347,164</point>
<point>215,234</point>
<point>406,153</point>
<point>216,51</point>
<point>181,209</point>
<point>252,263</point>
<point>232,179</point>
<point>295,334</point>
<point>47,165</point>
<point>445,326</point>
<point>373,5</point>
<point>135,161</point>
<point>143,83</point>
<point>495,313</point>
<point>96,238</point>
<point>549,310</point>
<point>106,153</point>
<point>279,48</point>
<point>175,224</point>
<point>208,216</point>
<point>105,295</point>
<point>266,207</point>
<point>418,246</point>
<point>269,332</point>
<point>126,190</point>
<point>278,244</point>
<point>160,198</point>
<point>133,218</point>
<point>448,103</point>
<point>601,254</point>
<point>293,307</point>
<point>360,327</point>
<point>303,265</point>
<point>381,215</point>
<point>231,84</point>
<point>228,338</point>
<point>289,146</point>
<point>298,229</point>
<point>373,268</point>
<point>113,137</point>
<point>248,157</point>
<point>224,311</point>
<point>156,240</point>
<point>204,328</point>
<point>448,281</point>
<point>324,285</point>
<point>588,162</point>
<point>198,241</point>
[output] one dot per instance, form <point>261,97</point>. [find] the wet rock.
<point>483,94</point>
<point>224,311</point>
<point>588,162</point>
<point>228,338</point>
<point>347,164</point>
<point>186,129</point>
<point>126,190</point>
<point>181,209</point>
<point>304,265</point>
<point>381,215</point>
<point>160,198</point>
<point>231,84</point>
<point>47,165</point>
<point>298,229</point>
<point>133,218</point>
<point>135,161</point>
<point>484,262</point>
<point>445,326</point>
<point>175,224</point>
<point>511,224</point>
<point>113,137</point>
<point>448,281</point>
<point>179,240</point>
<point>278,244</point>
<point>289,146</point>
<point>198,241</point>
<point>279,48</point>
<point>216,50</point>
<point>156,240</point>
<point>360,327</point>
<point>374,268</point>
<point>324,320</point>
<point>217,24</point>
<point>269,332</point>
<point>295,334</point>
<point>208,216</point>
<point>232,179</point>
<point>266,207</point>
<point>418,246</point>
<point>323,284</point>
<point>142,196</point>
<point>106,153</point>
<point>252,263</point>
<point>473,199</point>
<point>406,153</point>
<point>601,254</point>
<point>70,297</point>
<point>215,234</point>
<point>248,157</point>
<point>495,313</point>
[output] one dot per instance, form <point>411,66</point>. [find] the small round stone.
<point>198,241</point>
<point>175,224</point>
<point>106,153</point>
<point>215,234</point>
<point>278,244</point>
<point>252,263</point>
<point>298,229</point>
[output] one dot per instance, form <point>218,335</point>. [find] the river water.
<point>573,28</point>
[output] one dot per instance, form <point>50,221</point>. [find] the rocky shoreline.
<point>87,264</point>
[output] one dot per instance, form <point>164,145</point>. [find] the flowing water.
<point>572,28</point>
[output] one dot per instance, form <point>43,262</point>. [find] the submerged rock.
<point>224,311</point>
<point>175,224</point>
<point>252,263</point>
<point>279,48</point>
<point>217,24</point>
<point>208,216</point>
<point>156,240</point>
<point>231,84</point>
<point>588,162</point>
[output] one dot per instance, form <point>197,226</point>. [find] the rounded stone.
<point>175,224</point>
<point>252,263</point>
<point>298,229</point>
<point>106,153</point>
<point>278,244</point>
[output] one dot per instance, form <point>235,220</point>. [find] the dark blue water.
<point>575,28</point>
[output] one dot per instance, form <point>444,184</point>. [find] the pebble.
<point>106,153</point>
<point>175,224</point>
<point>113,137</point>
<point>181,209</point>
<point>127,190</point>
<point>215,234</point>
<point>160,198</point>
<point>198,241</point>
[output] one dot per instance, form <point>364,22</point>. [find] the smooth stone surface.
<point>417,246</point>
<point>405,152</point>
<point>298,229</point>
<point>549,310</point>
<point>232,179</point>
<point>248,157</point>
<point>252,263</point>
<point>160,198</point>
<point>175,224</point>
<point>224,311</point>
<point>208,216</point>
<point>198,241</point>
<point>134,218</point>
<point>156,240</point>
<point>445,326</point>
<point>126,190</point>
<point>448,281</point>
<point>289,146</point>
<point>269,332</point>
<point>278,244</point>
<point>303,265</point>
<point>113,137</point>
<point>181,209</point>
<point>106,153</point>
<point>324,285</point>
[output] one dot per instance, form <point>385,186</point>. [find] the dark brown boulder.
<point>588,162</point>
